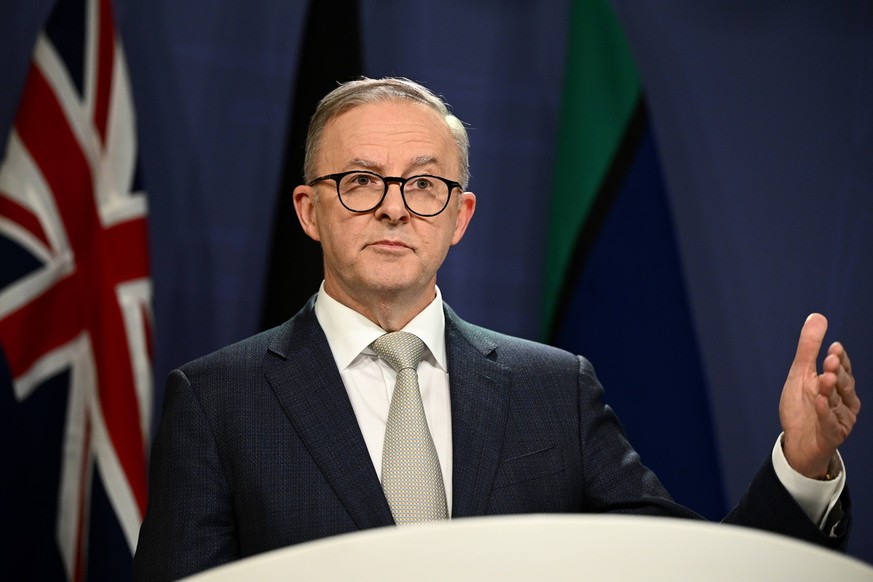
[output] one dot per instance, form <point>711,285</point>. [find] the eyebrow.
<point>418,162</point>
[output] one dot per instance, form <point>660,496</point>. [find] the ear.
<point>304,205</point>
<point>465,214</point>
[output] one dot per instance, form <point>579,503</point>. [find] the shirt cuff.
<point>816,498</point>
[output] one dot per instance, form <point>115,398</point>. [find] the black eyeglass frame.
<point>388,180</point>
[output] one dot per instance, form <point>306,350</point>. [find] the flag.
<point>75,315</point>
<point>614,290</point>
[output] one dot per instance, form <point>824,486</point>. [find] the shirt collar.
<point>349,333</point>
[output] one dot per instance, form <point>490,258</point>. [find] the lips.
<point>390,244</point>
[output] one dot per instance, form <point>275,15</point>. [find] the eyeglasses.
<point>363,191</point>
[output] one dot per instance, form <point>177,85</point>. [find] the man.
<point>285,437</point>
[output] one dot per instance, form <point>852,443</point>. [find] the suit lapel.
<point>310,390</point>
<point>311,393</point>
<point>480,404</point>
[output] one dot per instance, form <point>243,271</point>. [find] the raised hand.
<point>817,411</point>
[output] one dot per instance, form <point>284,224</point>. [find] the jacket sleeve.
<point>189,524</point>
<point>767,505</point>
<point>615,479</point>
<point>617,482</point>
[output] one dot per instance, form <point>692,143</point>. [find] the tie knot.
<point>400,349</point>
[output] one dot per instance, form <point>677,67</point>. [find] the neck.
<point>390,310</point>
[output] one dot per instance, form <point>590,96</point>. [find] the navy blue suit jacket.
<point>259,448</point>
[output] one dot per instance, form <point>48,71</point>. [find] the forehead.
<point>388,133</point>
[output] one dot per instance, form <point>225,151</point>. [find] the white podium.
<point>550,547</point>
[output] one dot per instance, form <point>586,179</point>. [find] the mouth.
<point>389,245</point>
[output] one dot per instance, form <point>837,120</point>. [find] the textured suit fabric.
<point>258,448</point>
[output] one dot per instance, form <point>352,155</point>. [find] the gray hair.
<point>364,91</point>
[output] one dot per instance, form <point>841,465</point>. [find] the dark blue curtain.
<point>762,120</point>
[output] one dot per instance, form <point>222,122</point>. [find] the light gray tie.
<point>411,475</point>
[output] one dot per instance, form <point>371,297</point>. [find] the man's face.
<point>387,254</point>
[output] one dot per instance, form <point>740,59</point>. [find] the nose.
<point>392,207</point>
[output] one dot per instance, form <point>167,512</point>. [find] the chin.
<point>392,284</point>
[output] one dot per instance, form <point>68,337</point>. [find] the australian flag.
<point>75,314</point>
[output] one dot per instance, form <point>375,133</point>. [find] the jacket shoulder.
<point>509,349</point>
<point>258,350</point>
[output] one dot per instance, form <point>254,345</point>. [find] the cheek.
<point>340,239</point>
<point>438,246</point>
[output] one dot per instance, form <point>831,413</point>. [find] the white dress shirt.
<point>369,382</point>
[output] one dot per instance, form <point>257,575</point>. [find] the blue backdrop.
<point>762,119</point>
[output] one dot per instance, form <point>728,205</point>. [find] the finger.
<point>851,402</point>
<point>845,386</point>
<point>808,346</point>
<point>827,387</point>
<point>836,421</point>
<point>833,365</point>
<point>837,362</point>
<point>834,398</point>
<point>846,418</point>
<point>838,350</point>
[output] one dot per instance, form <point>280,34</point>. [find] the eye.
<point>421,183</point>
<point>361,179</point>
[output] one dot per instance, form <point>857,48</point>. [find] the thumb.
<point>808,347</point>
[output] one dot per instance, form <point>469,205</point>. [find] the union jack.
<point>75,291</point>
